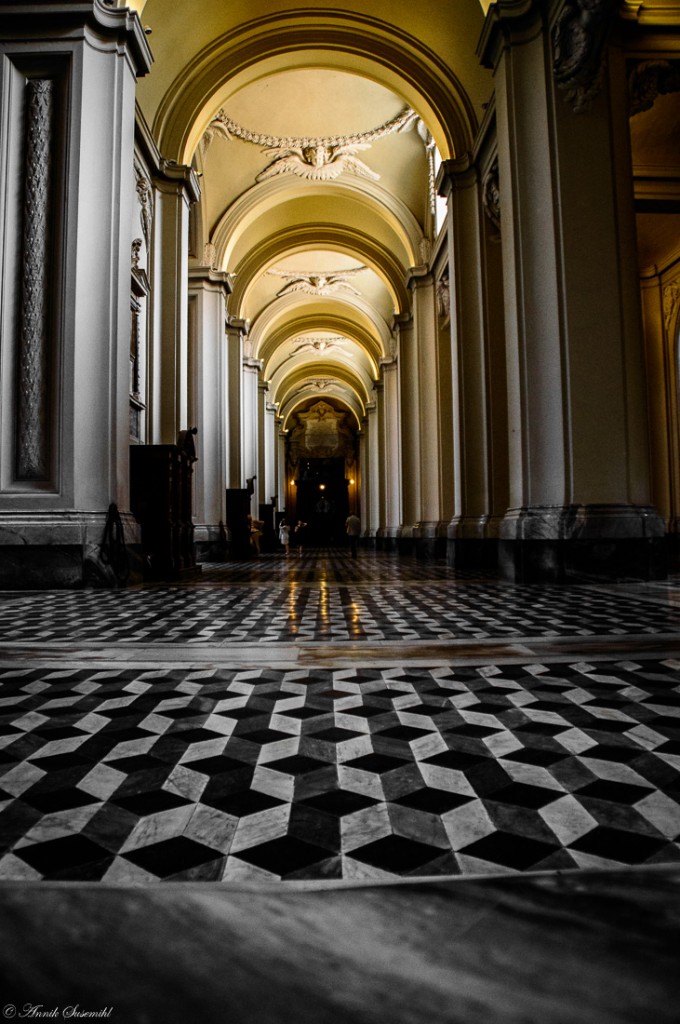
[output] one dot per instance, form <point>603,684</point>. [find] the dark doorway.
<point>322,500</point>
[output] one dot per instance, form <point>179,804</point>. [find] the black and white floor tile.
<point>131,775</point>
<point>233,766</point>
<point>329,598</point>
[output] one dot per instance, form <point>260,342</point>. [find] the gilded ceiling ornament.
<point>317,159</point>
<point>578,44</point>
<point>316,282</point>
<point>652,78</point>
<point>320,383</point>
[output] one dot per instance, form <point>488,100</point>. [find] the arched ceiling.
<point>317,131</point>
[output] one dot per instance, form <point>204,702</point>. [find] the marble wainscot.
<point>472,543</point>
<point>65,550</point>
<point>430,539</point>
<point>557,543</point>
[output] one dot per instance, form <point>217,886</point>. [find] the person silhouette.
<point>300,536</point>
<point>353,528</point>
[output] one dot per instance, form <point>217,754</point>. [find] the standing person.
<point>255,527</point>
<point>353,528</point>
<point>299,535</point>
<point>284,535</point>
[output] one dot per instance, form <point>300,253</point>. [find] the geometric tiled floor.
<point>350,766</point>
<point>327,598</point>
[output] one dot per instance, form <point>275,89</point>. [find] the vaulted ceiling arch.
<point>301,237</point>
<point>329,39</point>
<point>338,364</point>
<point>302,391</point>
<point>291,317</point>
<point>284,382</point>
<point>321,324</point>
<point>238,221</point>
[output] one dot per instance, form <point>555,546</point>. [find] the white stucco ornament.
<point>316,159</point>
<point>317,282</point>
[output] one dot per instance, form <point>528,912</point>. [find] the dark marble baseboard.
<point>563,561</point>
<point>476,554</point>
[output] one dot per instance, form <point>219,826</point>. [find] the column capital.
<point>120,24</point>
<point>172,176</point>
<point>417,277</point>
<point>207,277</point>
<point>508,23</point>
<point>254,365</point>
<point>235,323</point>
<point>400,320</point>
<point>456,174</point>
<point>386,362</point>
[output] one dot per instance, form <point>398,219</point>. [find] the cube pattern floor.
<point>119,770</point>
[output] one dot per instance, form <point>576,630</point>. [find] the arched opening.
<point>316,207</point>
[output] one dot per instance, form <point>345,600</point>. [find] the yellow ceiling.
<point>289,69</point>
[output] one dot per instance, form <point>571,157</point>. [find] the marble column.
<point>409,436</point>
<point>661,319</point>
<point>236,331</point>
<point>392,471</point>
<point>262,402</point>
<point>66,187</point>
<point>363,499</point>
<point>208,402</point>
<point>283,500</point>
<point>421,423</point>
<point>496,357</point>
<point>271,453</point>
<point>266,445</point>
<point>578,440</point>
<point>176,187</point>
<point>370,477</point>
<point>249,428</point>
<point>468,543</point>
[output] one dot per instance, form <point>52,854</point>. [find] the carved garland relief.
<point>578,47</point>
<point>649,79</point>
<point>323,158</point>
<point>320,159</point>
<point>33,441</point>
<point>671,302</point>
<point>145,197</point>
<point>491,196</point>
